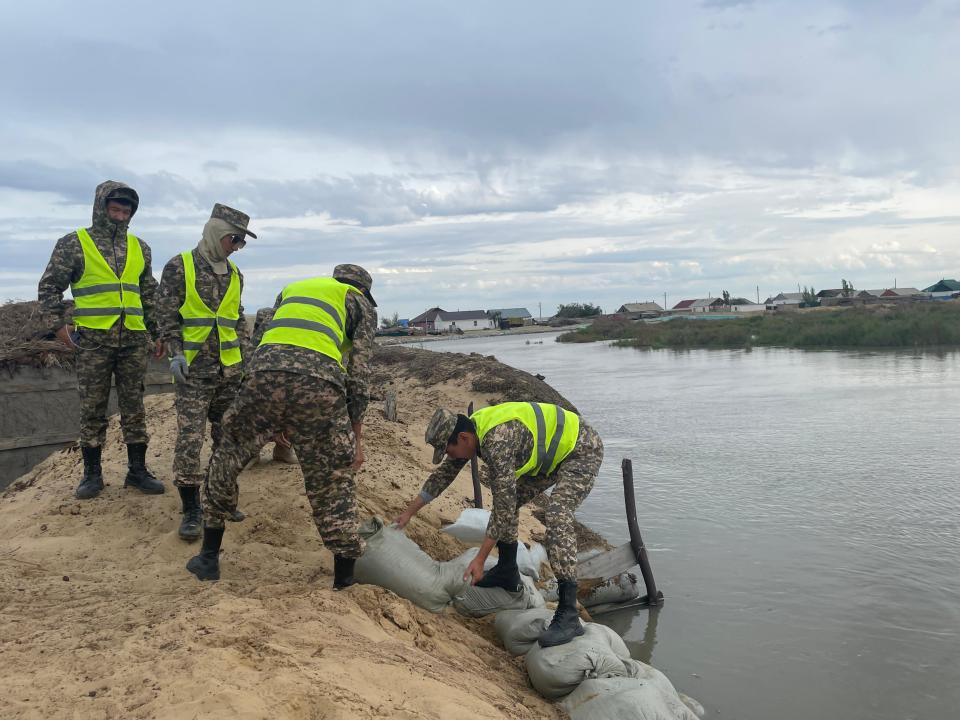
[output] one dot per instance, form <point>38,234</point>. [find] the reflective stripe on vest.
<point>198,320</point>
<point>554,431</point>
<point>100,296</point>
<point>312,315</point>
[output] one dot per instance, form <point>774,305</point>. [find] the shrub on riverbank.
<point>918,325</point>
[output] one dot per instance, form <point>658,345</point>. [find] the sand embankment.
<point>100,620</point>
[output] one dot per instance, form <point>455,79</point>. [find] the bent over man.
<point>108,271</point>
<point>299,385</point>
<point>202,324</point>
<point>527,448</point>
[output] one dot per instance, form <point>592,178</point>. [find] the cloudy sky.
<point>494,154</point>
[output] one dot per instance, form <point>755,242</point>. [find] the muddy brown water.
<point>802,510</point>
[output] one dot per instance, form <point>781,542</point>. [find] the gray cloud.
<point>474,154</point>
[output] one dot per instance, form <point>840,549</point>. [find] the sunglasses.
<point>238,240</point>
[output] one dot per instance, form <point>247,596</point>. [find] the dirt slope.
<point>99,619</point>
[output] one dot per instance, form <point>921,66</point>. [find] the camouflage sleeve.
<point>243,332</point>
<point>361,328</point>
<point>441,478</point>
<point>260,325</point>
<point>499,453</point>
<point>65,267</point>
<point>148,293</point>
<point>169,301</point>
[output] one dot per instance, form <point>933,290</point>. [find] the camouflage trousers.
<point>97,365</point>
<point>198,400</point>
<point>572,481</point>
<point>312,413</point>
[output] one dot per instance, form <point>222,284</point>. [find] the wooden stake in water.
<point>654,596</point>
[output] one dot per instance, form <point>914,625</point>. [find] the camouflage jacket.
<point>504,450</point>
<point>66,267</point>
<point>211,289</point>
<point>360,328</point>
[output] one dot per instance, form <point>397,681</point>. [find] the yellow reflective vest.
<point>312,315</point>
<point>554,431</point>
<point>199,320</point>
<point>100,296</point>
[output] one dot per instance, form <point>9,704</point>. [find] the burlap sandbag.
<point>557,671</point>
<point>394,561</point>
<point>625,698</point>
<point>474,601</point>
<point>519,629</point>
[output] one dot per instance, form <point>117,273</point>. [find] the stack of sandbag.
<point>471,527</point>
<point>594,672</point>
<point>557,671</point>
<point>394,561</point>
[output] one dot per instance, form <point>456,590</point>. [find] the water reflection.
<point>624,623</point>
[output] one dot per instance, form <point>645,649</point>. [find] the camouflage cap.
<point>234,217</point>
<point>439,430</point>
<point>356,276</point>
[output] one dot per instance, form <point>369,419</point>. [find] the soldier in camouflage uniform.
<point>525,451</point>
<point>115,292</point>
<point>300,383</point>
<point>206,372</point>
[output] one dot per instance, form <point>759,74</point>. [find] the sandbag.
<point>623,588</point>
<point>557,671</point>
<point>538,557</point>
<point>625,698</point>
<point>525,562</point>
<point>519,629</point>
<point>470,527</point>
<point>474,601</point>
<point>394,561</point>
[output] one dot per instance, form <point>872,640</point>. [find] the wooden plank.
<point>39,439</point>
<point>607,565</point>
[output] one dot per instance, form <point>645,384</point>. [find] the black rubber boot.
<point>192,519</point>
<point>92,482</point>
<point>343,572</point>
<point>566,624</point>
<point>206,565</point>
<point>505,573</point>
<point>137,474</point>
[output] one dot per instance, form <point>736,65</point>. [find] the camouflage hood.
<point>111,189</point>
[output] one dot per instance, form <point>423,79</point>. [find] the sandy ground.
<point>101,620</point>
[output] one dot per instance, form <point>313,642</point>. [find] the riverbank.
<point>920,325</point>
<point>101,620</point>
<point>387,340</point>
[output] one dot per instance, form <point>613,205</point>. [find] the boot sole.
<point>561,642</point>
<point>203,575</point>
<point>189,537</point>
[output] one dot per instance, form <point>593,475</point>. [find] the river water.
<point>802,513</point>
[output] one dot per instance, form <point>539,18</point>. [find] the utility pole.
<point>758,294</point>
<point>664,301</point>
<point>540,310</point>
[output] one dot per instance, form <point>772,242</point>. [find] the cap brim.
<point>250,233</point>
<point>368,296</point>
<point>438,454</point>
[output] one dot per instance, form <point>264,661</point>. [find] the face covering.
<point>210,248</point>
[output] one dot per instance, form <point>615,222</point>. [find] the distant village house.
<point>440,320</point>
